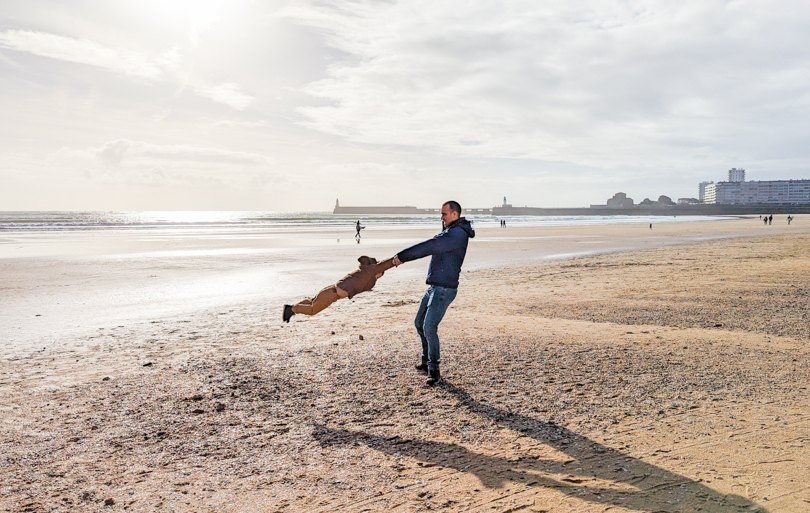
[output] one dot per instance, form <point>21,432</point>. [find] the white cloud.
<point>244,124</point>
<point>124,161</point>
<point>227,93</point>
<point>170,60</point>
<point>9,61</point>
<point>125,62</point>
<point>81,51</point>
<point>203,18</point>
<point>380,172</point>
<point>595,83</point>
<point>159,176</point>
<point>121,150</point>
<point>265,177</point>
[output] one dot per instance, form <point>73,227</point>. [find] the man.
<point>360,280</point>
<point>447,250</point>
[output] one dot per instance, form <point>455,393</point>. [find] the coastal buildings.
<point>736,175</point>
<point>620,200</point>
<point>736,191</point>
<point>702,191</point>
<point>736,196</point>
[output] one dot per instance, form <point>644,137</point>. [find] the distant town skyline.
<point>286,105</point>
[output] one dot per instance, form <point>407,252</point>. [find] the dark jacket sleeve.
<point>441,243</point>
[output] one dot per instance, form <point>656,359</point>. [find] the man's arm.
<point>441,243</point>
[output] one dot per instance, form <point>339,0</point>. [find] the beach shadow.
<point>586,469</point>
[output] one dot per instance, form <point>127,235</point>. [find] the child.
<point>361,280</point>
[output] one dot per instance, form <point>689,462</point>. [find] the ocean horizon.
<point>29,221</point>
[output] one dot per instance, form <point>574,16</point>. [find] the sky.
<point>289,105</point>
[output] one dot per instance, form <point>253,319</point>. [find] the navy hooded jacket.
<point>448,249</point>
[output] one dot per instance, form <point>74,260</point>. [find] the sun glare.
<point>199,14</point>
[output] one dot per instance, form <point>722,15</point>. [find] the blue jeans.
<point>431,310</point>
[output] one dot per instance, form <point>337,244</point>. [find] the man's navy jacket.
<point>448,249</point>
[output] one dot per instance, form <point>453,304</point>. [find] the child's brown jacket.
<point>364,279</point>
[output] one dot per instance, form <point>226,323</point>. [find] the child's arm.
<point>383,266</point>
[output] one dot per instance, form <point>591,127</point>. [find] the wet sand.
<point>60,287</point>
<point>672,378</point>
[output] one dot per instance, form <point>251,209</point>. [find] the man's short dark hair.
<point>454,206</point>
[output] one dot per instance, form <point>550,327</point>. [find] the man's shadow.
<point>590,471</point>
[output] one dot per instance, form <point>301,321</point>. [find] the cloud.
<point>9,61</point>
<point>265,177</point>
<point>136,162</point>
<point>116,60</point>
<point>113,153</point>
<point>380,172</point>
<point>81,51</point>
<point>203,18</point>
<point>595,83</point>
<point>170,60</point>
<point>227,93</point>
<point>158,177</point>
<point>245,124</point>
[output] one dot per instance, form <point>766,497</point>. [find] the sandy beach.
<point>587,368</point>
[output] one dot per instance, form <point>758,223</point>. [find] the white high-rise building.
<point>736,175</point>
<point>702,191</point>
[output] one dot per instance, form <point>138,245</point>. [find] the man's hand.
<point>396,261</point>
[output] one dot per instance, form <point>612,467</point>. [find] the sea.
<point>30,221</point>
<point>70,273</point>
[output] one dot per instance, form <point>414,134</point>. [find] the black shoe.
<point>422,367</point>
<point>287,313</point>
<point>433,377</point>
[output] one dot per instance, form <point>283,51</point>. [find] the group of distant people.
<point>769,219</point>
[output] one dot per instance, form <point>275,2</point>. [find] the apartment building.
<point>750,193</point>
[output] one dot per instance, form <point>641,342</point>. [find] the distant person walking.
<point>447,251</point>
<point>789,219</point>
<point>358,227</point>
<point>770,219</point>
<point>650,226</point>
<point>765,220</point>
